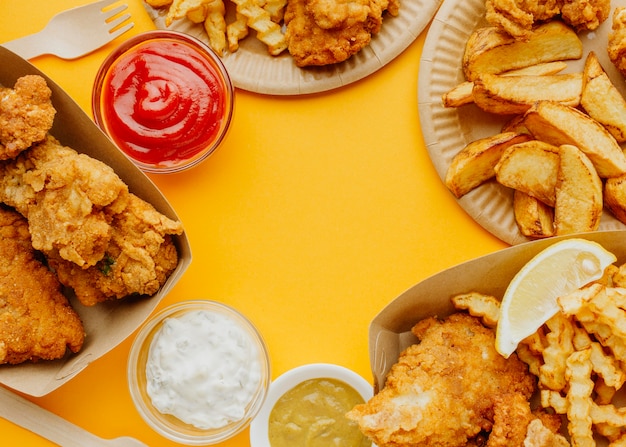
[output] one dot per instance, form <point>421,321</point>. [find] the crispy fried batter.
<point>26,115</point>
<point>63,195</point>
<point>322,32</point>
<point>517,17</point>
<point>139,257</point>
<point>617,40</point>
<point>447,389</point>
<point>36,319</point>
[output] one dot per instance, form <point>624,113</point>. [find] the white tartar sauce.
<point>203,369</point>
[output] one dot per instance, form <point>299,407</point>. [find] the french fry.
<point>179,9</point>
<point>555,355</point>
<point>475,163</point>
<point>486,307</point>
<point>215,25</point>
<point>259,19</point>
<point>490,50</point>
<point>510,95</point>
<point>579,401</point>
<point>462,93</point>
<point>615,196</point>
<point>559,124</point>
<point>531,167</point>
<point>236,31</point>
<point>578,205</point>
<point>601,99</point>
<point>534,218</point>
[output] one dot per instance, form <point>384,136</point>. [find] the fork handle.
<point>30,416</point>
<point>27,47</point>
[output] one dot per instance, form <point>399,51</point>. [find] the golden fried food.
<point>617,40</point>
<point>36,319</point>
<point>447,389</point>
<point>26,115</point>
<point>63,195</point>
<point>518,17</point>
<point>138,259</point>
<point>322,32</point>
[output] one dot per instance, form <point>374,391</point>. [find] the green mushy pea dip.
<point>312,414</point>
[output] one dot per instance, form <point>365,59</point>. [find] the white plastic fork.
<point>30,416</point>
<point>75,32</point>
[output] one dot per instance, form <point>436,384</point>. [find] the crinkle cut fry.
<point>579,398</point>
<point>555,355</point>
<point>479,305</point>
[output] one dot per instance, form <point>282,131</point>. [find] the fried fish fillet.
<point>36,319</point>
<point>63,195</point>
<point>617,40</point>
<point>26,115</point>
<point>323,32</point>
<point>448,389</point>
<point>138,259</point>
<point>518,17</point>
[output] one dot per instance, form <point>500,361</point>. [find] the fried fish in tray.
<point>26,115</point>
<point>452,389</point>
<point>36,319</point>
<point>138,259</point>
<point>101,240</point>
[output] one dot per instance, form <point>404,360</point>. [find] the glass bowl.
<point>165,99</point>
<point>198,372</point>
<point>259,429</point>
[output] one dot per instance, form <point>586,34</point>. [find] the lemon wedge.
<point>531,298</point>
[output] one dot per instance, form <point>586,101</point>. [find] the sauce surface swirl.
<point>164,102</point>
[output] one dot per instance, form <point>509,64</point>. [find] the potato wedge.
<point>615,197</point>
<point>490,50</point>
<point>578,193</point>
<point>559,124</point>
<point>510,95</point>
<point>534,218</point>
<point>475,163</point>
<point>531,167</point>
<point>462,93</point>
<point>601,99</point>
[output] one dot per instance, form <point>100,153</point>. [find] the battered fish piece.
<point>36,319</point>
<point>617,40</point>
<point>323,32</point>
<point>138,259</point>
<point>26,115</point>
<point>517,17</point>
<point>448,390</point>
<point>63,195</point>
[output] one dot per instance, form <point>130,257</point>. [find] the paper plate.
<point>252,68</point>
<point>447,130</point>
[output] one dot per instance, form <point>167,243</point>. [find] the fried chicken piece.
<point>617,40</point>
<point>585,15</point>
<point>63,194</point>
<point>518,17</point>
<point>323,32</point>
<point>540,435</point>
<point>36,319</point>
<point>447,389</point>
<point>26,115</point>
<point>139,257</point>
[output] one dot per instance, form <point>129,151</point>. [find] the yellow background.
<point>314,214</point>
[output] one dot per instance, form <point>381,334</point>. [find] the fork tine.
<point>118,21</point>
<point>113,12</point>
<point>119,31</point>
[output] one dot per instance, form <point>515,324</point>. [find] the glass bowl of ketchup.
<point>165,99</point>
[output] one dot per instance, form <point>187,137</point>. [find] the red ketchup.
<point>164,102</point>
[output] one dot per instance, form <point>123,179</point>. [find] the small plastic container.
<point>255,369</point>
<point>259,429</point>
<point>165,99</point>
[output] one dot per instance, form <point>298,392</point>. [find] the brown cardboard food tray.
<point>106,324</point>
<point>389,331</point>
